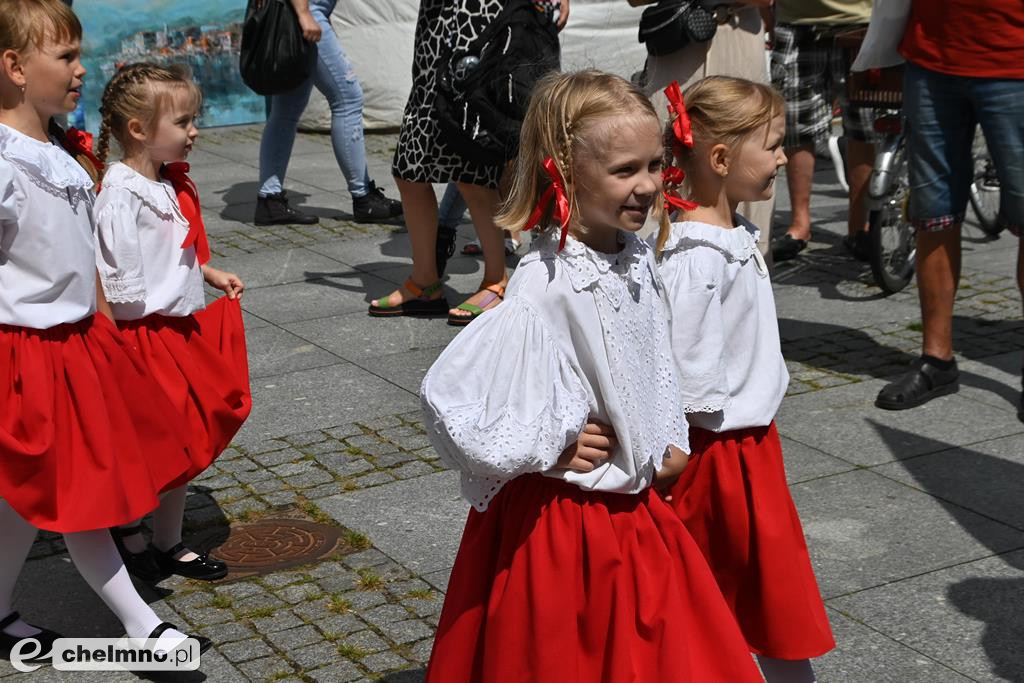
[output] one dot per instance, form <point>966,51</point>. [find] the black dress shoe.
<point>787,247</point>
<point>374,207</point>
<point>142,566</point>
<point>859,245</point>
<point>204,642</point>
<point>46,638</point>
<point>920,384</point>
<point>275,210</point>
<point>203,567</point>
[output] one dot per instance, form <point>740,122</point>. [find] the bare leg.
<point>799,175</point>
<point>483,205</point>
<point>420,205</point>
<point>860,158</point>
<point>938,274</point>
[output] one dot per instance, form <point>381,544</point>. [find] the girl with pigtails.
<point>562,410</point>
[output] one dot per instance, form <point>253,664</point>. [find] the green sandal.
<point>462,320</point>
<point>420,307</point>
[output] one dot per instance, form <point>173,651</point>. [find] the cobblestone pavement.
<point>913,519</point>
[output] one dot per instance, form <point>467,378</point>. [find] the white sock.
<point>786,670</point>
<point>167,522</point>
<point>16,539</point>
<point>96,559</point>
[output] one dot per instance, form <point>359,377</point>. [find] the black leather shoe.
<point>203,567</point>
<point>46,638</point>
<point>204,642</point>
<point>920,384</point>
<point>142,565</point>
<point>859,245</point>
<point>374,207</point>
<point>787,247</point>
<point>275,210</point>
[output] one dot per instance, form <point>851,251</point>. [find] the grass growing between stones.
<point>368,581</point>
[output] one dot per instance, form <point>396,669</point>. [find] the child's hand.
<point>672,466</point>
<point>229,283</point>
<point>596,443</point>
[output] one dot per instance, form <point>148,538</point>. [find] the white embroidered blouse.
<point>140,229</point>
<point>725,333</point>
<point>581,335</point>
<point>47,273</point>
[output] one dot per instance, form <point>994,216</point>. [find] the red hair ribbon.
<point>80,142</point>
<point>556,193</point>
<point>672,176</point>
<point>681,123</point>
<point>188,201</point>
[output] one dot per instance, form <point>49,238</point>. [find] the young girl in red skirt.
<point>571,567</point>
<point>733,496</point>
<point>153,256</point>
<point>86,440</point>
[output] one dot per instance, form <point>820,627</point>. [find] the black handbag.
<point>483,91</point>
<point>274,57</point>
<point>673,24</point>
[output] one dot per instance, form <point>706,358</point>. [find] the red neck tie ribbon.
<point>188,201</point>
<point>681,122</point>
<point>556,193</point>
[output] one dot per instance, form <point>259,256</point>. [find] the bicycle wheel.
<point>985,188</point>
<point>893,238</point>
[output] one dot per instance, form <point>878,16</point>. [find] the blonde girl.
<point>571,567</point>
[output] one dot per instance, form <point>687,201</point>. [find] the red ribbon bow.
<point>80,142</point>
<point>556,193</point>
<point>188,201</point>
<point>681,123</point>
<point>672,176</point>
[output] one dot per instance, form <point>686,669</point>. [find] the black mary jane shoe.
<point>46,638</point>
<point>142,565</point>
<point>920,384</point>
<point>202,568</point>
<point>204,642</point>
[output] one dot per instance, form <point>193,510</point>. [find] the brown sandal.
<point>498,290</point>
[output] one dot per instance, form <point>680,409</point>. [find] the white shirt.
<point>581,335</point>
<point>47,272</point>
<point>139,231</point>
<point>725,333</point>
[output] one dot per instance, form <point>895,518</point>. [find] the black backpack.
<point>274,57</point>
<point>483,91</point>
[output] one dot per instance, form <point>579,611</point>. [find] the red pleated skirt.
<point>87,440</point>
<point>201,363</point>
<point>734,499</point>
<point>556,584</point>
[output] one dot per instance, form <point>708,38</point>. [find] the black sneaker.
<point>374,207</point>
<point>859,245</point>
<point>274,210</point>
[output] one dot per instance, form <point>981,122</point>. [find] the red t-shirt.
<point>982,38</point>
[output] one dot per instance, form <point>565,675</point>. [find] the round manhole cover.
<point>273,544</point>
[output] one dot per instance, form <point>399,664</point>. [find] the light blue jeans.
<point>335,77</point>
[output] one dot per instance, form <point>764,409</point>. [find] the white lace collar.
<point>45,163</point>
<point>588,269</point>
<point>155,195</point>
<point>737,245</point>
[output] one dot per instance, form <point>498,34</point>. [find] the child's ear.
<point>137,130</point>
<point>719,158</point>
<point>13,66</point>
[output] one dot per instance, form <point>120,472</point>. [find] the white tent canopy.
<point>378,38</point>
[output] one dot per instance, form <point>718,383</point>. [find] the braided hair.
<point>136,92</point>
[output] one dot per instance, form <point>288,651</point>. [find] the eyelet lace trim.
<point>154,195</point>
<point>47,166</point>
<point>737,245</point>
<point>614,275</point>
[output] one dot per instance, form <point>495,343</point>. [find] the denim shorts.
<point>942,112</point>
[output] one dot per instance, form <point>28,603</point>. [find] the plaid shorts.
<point>810,71</point>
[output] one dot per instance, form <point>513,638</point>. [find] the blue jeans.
<point>452,209</point>
<point>942,113</point>
<point>335,77</point>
